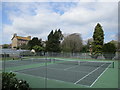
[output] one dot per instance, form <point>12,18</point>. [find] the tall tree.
<point>72,43</point>
<point>50,36</point>
<point>49,44</point>
<point>53,43</point>
<point>98,40</point>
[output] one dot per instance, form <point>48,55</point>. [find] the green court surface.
<point>65,76</point>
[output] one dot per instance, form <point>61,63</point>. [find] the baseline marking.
<point>88,74</point>
<point>48,78</point>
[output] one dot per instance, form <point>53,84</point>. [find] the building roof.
<point>22,38</point>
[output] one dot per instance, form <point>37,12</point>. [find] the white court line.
<point>99,76</point>
<point>88,74</point>
<point>70,67</point>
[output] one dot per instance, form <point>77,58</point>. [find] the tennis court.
<point>84,73</point>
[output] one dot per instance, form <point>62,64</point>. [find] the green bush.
<point>10,82</point>
<point>109,50</point>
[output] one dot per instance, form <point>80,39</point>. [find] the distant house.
<point>44,43</point>
<point>17,41</point>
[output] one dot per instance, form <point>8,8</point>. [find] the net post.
<point>51,60</point>
<point>113,64</point>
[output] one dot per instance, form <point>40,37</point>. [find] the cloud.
<point>38,19</point>
<point>87,12</point>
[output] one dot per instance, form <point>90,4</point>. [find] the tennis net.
<point>85,63</point>
<point>41,60</point>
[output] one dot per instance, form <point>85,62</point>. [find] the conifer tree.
<point>53,43</point>
<point>98,40</point>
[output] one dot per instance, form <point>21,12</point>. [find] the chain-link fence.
<point>27,53</point>
<point>84,55</point>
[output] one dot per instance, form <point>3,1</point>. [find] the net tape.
<point>35,60</point>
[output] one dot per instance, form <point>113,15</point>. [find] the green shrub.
<point>109,50</point>
<point>10,82</point>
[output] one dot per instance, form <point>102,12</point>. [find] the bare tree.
<point>72,43</point>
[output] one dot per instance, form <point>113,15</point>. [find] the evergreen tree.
<point>49,44</point>
<point>53,43</point>
<point>50,36</point>
<point>98,40</point>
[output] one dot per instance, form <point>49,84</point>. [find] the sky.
<point>37,19</point>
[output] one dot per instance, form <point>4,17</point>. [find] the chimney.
<point>29,37</point>
<point>15,34</point>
